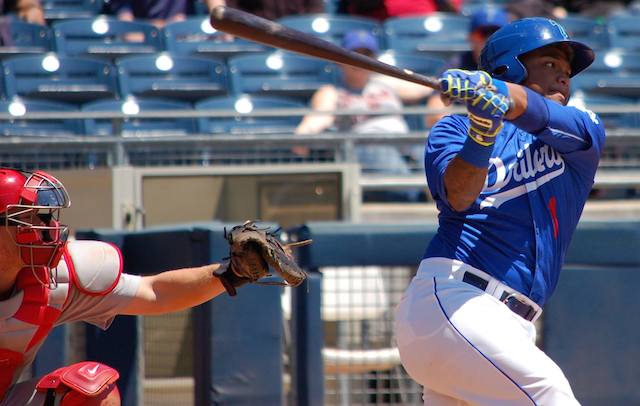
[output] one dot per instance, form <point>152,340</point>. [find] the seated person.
<point>359,90</point>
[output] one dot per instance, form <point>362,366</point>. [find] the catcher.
<point>46,280</point>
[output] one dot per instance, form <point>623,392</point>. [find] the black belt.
<point>524,310</point>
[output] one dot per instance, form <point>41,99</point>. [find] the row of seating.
<point>78,80</point>
<point>440,33</point>
<point>238,117</point>
<point>235,114</point>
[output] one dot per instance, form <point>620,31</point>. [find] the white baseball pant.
<point>465,347</point>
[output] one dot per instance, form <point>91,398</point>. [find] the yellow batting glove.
<point>463,84</point>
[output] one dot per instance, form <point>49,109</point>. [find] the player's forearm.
<point>175,290</point>
<point>463,183</point>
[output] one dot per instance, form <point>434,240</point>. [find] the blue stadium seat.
<point>64,9</point>
<point>610,119</point>
<point>243,122</point>
<point>332,27</point>
<point>419,63</point>
<point>136,126</point>
<point>61,78</point>
<point>26,38</point>
<point>196,36</point>
<point>18,107</point>
<point>279,74</point>
<point>613,72</point>
<point>106,37</point>
<point>166,75</point>
<point>442,34</point>
<point>624,32</point>
<point>586,30</point>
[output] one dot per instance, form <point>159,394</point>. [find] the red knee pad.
<point>83,383</point>
<point>110,392</point>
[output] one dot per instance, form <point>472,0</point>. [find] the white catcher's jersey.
<point>91,287</point>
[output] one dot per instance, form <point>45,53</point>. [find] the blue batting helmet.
<point>501,53</point>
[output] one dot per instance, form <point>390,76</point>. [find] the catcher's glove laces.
<point>253,250</point>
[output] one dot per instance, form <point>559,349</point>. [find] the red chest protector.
<point>41,306</point>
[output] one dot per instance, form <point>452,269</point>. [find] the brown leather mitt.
<point>253,253</point>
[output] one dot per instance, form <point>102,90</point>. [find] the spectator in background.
<point>518,9</point>
<point>383,9</point>
<point>360,90</point>
<point>157,12</point>
<point>28,10</point>
<point>271,9</point>
<point>484,22</point>
<point>590,8</point>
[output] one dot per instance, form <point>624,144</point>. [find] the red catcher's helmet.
<point>32,201</point>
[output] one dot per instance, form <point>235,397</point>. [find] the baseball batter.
<point>510,181</point>
<point>46,280</point>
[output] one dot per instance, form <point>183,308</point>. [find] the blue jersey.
<point>520,226</point>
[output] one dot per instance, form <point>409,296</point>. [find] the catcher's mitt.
<point>252,251</point>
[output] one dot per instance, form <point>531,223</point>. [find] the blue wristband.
<point>475,154</point>
<point>536,116</point>
<point>501,87</point>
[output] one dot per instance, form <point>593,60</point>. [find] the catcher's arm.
<point>253,251</point>
<point>173,290</point>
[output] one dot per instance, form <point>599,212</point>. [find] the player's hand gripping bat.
<point>254,28</point>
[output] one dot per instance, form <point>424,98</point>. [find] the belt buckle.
<point>519,306</point>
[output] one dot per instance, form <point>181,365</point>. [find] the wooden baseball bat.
<point>254,28</point>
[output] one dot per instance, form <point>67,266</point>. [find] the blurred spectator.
<point>531,8</point>
<point>590,8</point>
<point>383,9</point>
<point>28,10</point>
<point>484,22</point>
<point>157,12</point>
<point>271,9</point>
<point>359,90</point>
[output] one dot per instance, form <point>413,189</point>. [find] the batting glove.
<point>462,84</point>
<point>486,113</point>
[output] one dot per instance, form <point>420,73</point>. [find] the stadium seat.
<point>137,126</point>
<point>65,9</point>
<point>243,122</point>
<point>279,74</point>
<point>612,119</point>
<point>60,78</point>
<point>331,27</point>
<point>19,126</point>
<point>441,34</point>
<point>196,36</point>
<point>26,38</point>
<point>613,72</point>
<point>624,32</point>
<point>106,37</point>
<point>419,63</point>
<point>586,30</point>
<point>177,77</point>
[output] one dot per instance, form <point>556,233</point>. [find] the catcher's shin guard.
<point>85,383</point>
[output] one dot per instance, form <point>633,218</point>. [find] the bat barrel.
<point>254,28</point>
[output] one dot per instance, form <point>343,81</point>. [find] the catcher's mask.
<point>32,202</point>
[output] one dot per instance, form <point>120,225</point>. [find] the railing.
<point>622,150</point>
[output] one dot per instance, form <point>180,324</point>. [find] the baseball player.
<point>510,180</point>
<point>46,280</point>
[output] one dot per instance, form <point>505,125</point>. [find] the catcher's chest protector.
<point>28,316</point>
